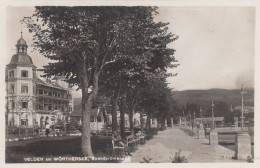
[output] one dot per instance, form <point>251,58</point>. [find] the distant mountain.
<point>202,97</point>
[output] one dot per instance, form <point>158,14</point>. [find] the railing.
<point>224,129</point>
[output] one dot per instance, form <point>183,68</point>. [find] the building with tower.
<point>31,100</point>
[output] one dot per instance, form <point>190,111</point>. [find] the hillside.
<point>202,97</point>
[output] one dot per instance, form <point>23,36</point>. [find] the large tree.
<point>146,58</point>
<point>82,41</point>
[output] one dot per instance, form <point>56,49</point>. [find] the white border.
<point>186,3</point>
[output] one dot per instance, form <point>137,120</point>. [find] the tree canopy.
<point>103,47</point>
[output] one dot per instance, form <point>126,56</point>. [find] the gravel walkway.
<point>162,147</point>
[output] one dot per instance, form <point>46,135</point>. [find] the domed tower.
<point>20,86</point>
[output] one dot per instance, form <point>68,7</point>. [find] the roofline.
<point>26,65</point>
<point>45,84</point>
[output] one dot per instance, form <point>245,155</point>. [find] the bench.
<point>141,137</point>
<point>132,140</point>
<point>117,148</point>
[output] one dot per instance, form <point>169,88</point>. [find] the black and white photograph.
<point>129,84</point>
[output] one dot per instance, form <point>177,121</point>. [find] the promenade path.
<point>162,147</point>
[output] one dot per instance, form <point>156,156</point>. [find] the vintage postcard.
<point>129,82</point>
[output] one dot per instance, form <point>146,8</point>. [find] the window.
<point>24,122</point>
<point>24,88</point>
<point>24,74</point>
<point>40,91</point>
<point>40,106</point>
<point>25,104</point>
<point>99,119</point>
<point>92,119</point>
<point>11,91</point>
<point>45,92</point>
<point>50,107</point>
<point>11,74</point>
<point>50,93</point>
<point>13,105</point>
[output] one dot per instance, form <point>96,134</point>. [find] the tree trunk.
<point>104,115</point>
<point>122,117</point>
<point>86,106</point>
<point>114,102</point>
<point>142,120</point>
<point>131,114</point>
<point>85,138</point>
<point>148,122</point>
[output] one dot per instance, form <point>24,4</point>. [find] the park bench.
<point>132,140</point>
<point>117,148</point>
<point>137,139</point>
<point>141,137</point>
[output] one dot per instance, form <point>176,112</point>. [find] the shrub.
<point>178,158</point>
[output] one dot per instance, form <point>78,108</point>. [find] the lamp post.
<point>242,108</point>
<point>183,117</point>
<point>200,114</point>
<point>193,118</point>
<point>212,110</point>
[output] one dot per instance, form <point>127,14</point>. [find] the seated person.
<point>121,142</point>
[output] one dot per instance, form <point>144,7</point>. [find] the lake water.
<point>228,141</point>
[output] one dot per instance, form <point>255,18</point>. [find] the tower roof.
<point>21,42</point>
<point>21,59</point>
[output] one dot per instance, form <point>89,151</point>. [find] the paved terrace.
<point>166,143</point>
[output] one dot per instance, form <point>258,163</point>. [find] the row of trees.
<point>116,52</point>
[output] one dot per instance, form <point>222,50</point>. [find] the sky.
<point>215,48</point>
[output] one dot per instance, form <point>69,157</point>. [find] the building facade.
<point>29,99</point>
